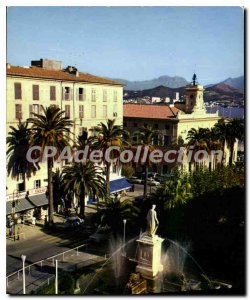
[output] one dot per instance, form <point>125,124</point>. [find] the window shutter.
<point>63,91</point>
<point>18,111</point>
<point>31,110</point>
<point>35,92</point>
<point>40,109</point>
<point>52,93</point>
<point>18,90</point>
<point>81,111</point>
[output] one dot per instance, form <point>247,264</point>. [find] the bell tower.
<point>194,97</point>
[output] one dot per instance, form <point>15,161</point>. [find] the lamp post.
<point>23,259</point>
<point>124,234</point>
<point>56,280</point>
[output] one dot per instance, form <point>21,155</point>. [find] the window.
<point>93,111</point>
<point>166,140</point>
<point>35,92</point>
<point>18,111</point>
<point>67,111</point>
<point>156,126</point>
<point>93,95</point>
<point>135,124</point>
<point>104,109</point>
<point>115,110</point>
<point>37,184</point>
<point>34,108</point>
<point>20,187</point>
<point>66,94</point>
<point>18,90</point>
<point>125,124</point>
<point>145,125</point>
<point>81,111</point>
<point>104,95</point>
<point>155,140</point>
<point>83,131</point>
<point>115,96</point>
<point>52,93</point>
<point>81,94</point>
<point>167,127</point>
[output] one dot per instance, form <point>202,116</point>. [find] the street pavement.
<point>38,244</point>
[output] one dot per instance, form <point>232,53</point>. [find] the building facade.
<point>173,122</point>
<point>86,99</point>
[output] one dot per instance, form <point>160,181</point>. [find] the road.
<point>45,244</point>
<point>41,246</point>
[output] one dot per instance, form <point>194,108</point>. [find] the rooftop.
<point>38,72</point>
<point>147,111</point>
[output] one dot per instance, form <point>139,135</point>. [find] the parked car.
<point>71,222</point>
<point>135,180</point>
<point>153,182</point>
<point>102,234</point>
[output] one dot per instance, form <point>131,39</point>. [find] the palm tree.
<point>145,136</point>
<point>197,139</point>
<point>50,129</point>
<point>113,212</point>
<point>109,135</point>
<point>176,192</point>
<point>83,179</point>
<point>58,187</point>
<point>229,132</point>
<point>18,142</point>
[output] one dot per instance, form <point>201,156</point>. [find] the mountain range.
<point>175,82</point>
<point>172,82</point>
<point>217,92</point>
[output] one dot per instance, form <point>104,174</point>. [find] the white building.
<point>87,101</point>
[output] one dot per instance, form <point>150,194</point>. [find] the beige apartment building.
<point>173,122</point>
<point>86,99</point>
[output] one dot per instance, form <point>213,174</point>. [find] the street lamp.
<point>124,232</point>
<point>23,259</point>
<point>56,279</point>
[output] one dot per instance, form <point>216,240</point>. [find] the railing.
<point>40,263</point>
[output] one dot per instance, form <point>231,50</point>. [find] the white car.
<point>153,182</point>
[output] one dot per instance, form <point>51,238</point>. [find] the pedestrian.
<point>18,233</point>
<point>10,231</point>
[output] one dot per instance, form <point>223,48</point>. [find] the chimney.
<point>72,70</point>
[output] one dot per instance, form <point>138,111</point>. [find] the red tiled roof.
<point>38,72</point>
<point>148,111</point>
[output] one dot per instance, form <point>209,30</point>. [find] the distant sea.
<point>230,112</point>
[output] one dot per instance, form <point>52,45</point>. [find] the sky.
<point>133,43</point>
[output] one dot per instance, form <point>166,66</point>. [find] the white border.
<point>3,5</point>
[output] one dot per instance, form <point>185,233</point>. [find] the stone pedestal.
<point>149,256</point>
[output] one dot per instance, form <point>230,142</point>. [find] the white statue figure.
<point>152,221</point>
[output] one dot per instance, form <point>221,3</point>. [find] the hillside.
<point>172,82</point>
<point>216,92</point>
<point>237,82</point>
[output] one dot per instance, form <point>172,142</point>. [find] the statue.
<point>152,221</point>
<point>194,79</point>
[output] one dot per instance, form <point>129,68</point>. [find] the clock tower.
<point>194,97</point>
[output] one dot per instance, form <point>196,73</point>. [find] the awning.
<point>24,204</point>
<point>118,185</point>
